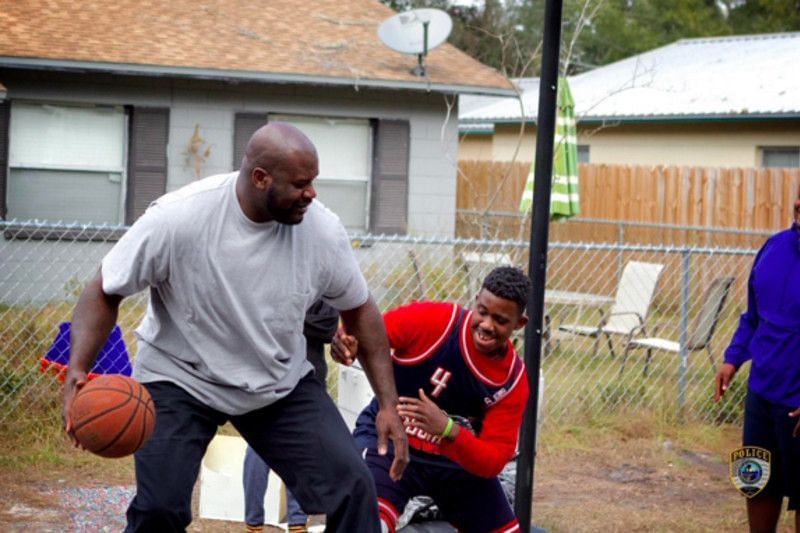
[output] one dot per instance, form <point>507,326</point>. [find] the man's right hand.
<point>723,380</point>
<point>92,320</point>
<point>389,426</point>
<point>74,382</point>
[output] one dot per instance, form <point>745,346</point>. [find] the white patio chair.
<point>629,310</point>
<point>477,265</point>
<point>699,335</point>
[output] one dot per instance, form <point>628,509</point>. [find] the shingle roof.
<point>324,41</point>
<point>723,77</point>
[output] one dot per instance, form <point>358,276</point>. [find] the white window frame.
<point>122,169</point>
<point>366,179</point>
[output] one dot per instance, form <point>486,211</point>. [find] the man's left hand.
<point>344,348</point>
<point>389,425</point>
<point>424,413</point>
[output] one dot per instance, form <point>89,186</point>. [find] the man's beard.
<point>283,215</point>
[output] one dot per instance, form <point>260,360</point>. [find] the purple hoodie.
<point>769,331</point>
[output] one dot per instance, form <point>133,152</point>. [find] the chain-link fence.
<point>480,223</point>
<point>628,327</point>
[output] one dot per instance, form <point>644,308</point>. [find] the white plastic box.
<point>353,392</point>
<point>221,489</point>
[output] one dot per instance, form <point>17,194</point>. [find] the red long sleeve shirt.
<point>420,328</point>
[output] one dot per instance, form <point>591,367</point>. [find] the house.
<point>107,104</point>
<point>722,101</point>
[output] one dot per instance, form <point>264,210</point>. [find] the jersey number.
<point>439,380</point>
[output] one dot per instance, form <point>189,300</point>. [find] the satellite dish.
<point>415,32</point>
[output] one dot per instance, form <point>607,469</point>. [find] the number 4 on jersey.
<point>439,380</point>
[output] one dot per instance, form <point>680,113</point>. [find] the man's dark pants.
<point>769,426</point>
<point>302,437</point>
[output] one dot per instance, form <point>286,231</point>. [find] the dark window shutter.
<point>5,112</point>
<point>244,126</point>
<point>389,204</point>
<point>147,159</point>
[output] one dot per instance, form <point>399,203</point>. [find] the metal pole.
<point>684,334</point>
<point>537,262</point>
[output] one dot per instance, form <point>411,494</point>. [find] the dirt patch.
<point>90,497</point>
<point>605,480</point>
<point>617,482</point>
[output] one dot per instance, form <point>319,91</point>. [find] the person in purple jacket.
<point>769,336</point>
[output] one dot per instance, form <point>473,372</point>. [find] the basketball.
<point>112,415</point>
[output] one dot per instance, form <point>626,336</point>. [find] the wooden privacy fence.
<point>736,198</point>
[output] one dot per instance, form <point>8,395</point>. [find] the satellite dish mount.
<point>415,32</point>
<point>419,70</point>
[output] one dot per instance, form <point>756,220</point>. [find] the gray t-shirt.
<point>228,295</point>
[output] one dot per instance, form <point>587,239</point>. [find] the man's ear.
<point>260,178</point>
<point>523,319</point>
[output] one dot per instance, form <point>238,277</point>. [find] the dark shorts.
<point>470,503</point>
<point>769,426</point>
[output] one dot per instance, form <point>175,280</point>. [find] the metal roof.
<point>739,77</point>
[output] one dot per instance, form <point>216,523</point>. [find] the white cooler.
<point>221,489</point>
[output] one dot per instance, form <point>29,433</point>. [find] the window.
<point>66,163</point>
<point>363,166</point>
<point>780,156</point>
<point>344,147</point>
<point>583,153</point>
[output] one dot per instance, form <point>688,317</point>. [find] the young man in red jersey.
<point>462,392</point>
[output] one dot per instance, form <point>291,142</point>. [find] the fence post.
<point>620,241</point>
<point>684,334</point>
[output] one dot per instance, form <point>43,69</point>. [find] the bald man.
<point>232,263</point>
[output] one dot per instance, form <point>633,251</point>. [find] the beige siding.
<point>474,146</point>
<point>718,144</point>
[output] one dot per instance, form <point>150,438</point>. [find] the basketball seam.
<point>143,429</point>
<point>113,407</point>
<point>149,406</point>
<point>125,427</point>
<point>102,413</point>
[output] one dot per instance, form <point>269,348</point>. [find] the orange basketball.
<point>112,415</point>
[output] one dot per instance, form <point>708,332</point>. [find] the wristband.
<point>448,428</point>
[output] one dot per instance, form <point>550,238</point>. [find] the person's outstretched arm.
<point>93,319</point>
<point>366,324</point>
<point>140,259</point>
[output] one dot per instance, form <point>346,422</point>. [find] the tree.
<point>763,16</point>
<point>506,34</point>
<point>622,28</point>
<point>577,18</point>
<point>487,32</point>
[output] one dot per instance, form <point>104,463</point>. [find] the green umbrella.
<point>564,197</point>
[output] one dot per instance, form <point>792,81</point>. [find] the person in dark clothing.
<point>321,322</point>
<point>769,336</point>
